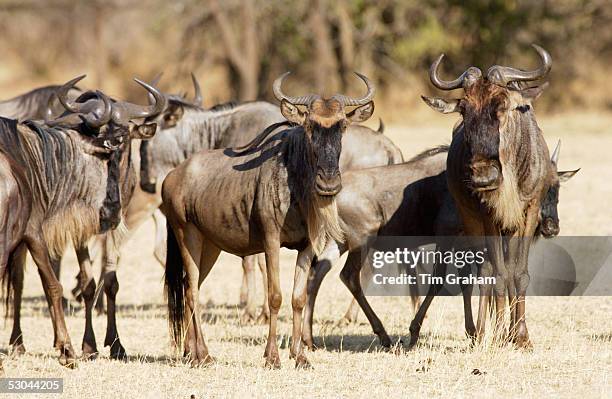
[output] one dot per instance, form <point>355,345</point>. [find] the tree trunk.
<point>243,52</point>
<point>326,67</point>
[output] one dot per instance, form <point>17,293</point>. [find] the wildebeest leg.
<point>160,237</point>
<point>320,267</point>
<point>244,289</point>
<point>351,314</point>
<point>415,298</point>
<point>298,301</point>
<point>513,247</point>
<point>521,277</point>
<point>208,257</point>
<point>110,260</point>
<point>194,255</point>
<point>54,292</point>
<point>466,290</point>
<point>88,290</point>
<point>17,258</point>
<point>439,270</point>
<point>100,308</point>
<point>264,316</point>
<point>350,277</point>
<point>249,274</point>
<point>496,256</point>
<point>275,298</point>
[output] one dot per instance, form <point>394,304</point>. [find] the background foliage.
<point>237,48</point>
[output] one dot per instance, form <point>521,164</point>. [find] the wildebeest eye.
<point>523,108</point>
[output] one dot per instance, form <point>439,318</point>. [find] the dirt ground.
<point>572,337</point>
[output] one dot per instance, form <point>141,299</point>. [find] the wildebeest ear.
<point>533,93</point>
<point>292,113</point>
<point>361,113</point>
<point>442,105</point>
<point>143,132</point>
<point>173,116</point>
<point>566,175</point>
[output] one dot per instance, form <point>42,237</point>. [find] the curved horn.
<point>555,156</point>
<point>280,96</point>
<point>95,119</point>
<point>154,82</point>
<point>350,101</point>
<point>503,75</point>
<point>197,98</point>
<point>127,111</point>
<point>472,73</point>
<point>62,94</point>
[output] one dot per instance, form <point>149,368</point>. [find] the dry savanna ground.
<point>572,337</point>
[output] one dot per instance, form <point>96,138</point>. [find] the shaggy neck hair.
<point>515,143</point>
<point>322,219</point>
<point>76,193</point>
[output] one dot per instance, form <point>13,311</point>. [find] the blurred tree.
<point>241,46</point>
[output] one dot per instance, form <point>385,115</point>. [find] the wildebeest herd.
<point>251,178</point>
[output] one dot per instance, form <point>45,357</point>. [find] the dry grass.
<point>572,336</point>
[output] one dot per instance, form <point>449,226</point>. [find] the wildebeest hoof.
<point>263,318</point>
<point>345,321</point>
<point>89,352</point>
<point>385,341</point>
<point>273,362</point>
<point>18,349</point>
<point>301,362</point>
<point>523,343</point>
<point>117,351</point>
<point>68,357</point>
<point>309,343</point>
<point>247,318</point>
<point>203,361</point>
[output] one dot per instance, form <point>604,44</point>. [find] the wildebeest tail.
<point>175,286</point>
<point>13,271</point>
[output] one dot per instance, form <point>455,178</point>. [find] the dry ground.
<point>572,336</point>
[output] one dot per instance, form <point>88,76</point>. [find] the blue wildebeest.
<point>277,191</point>
<point>498,172</point>
<point>186,128</point>
<point>66,180</point>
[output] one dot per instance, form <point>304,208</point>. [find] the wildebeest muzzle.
<point>485,174</point>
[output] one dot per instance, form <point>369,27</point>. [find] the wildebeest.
<point>184,128</point>
<point>410,199</point>
<point>277,191</point>
<point>72,174</point>
<point>498,172</point>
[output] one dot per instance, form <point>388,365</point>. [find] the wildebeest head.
<point>105,128</point>
<point>175,105</point>
<point>324,121</point>
<point>106,121</point>
<point>493,106</point>
<point>549,215</point>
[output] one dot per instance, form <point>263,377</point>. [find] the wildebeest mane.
<point>323,223</point>
<point>430,152</point>
<point>225,106</point>
<point>54,166</point>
